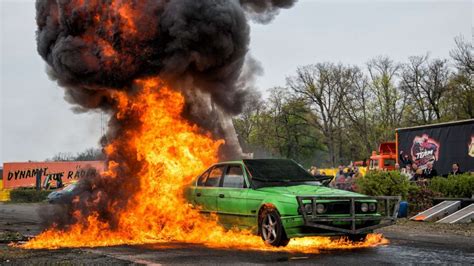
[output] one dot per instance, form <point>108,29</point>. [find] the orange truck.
<point>386,157</point>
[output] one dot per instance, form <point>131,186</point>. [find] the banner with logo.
<point>24,174</point>
<point>441,145</point>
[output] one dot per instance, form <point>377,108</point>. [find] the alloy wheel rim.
<point>269,228</point>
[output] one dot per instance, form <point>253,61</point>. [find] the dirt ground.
<point>414,227</point>
<point>16,256</point>
<point>410,242</point>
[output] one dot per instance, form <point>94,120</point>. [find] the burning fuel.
<point>170,74</point>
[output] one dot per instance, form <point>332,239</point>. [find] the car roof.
<point>244,160</point>
<point>230,162</point>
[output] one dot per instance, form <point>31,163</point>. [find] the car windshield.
<point>277,171</point>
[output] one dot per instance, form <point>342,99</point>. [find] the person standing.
<point>356,176</point>
<point>429,172</point>
<point>455,170</point>
<point>407,171</point>
<point>397,167</point>
<point>418,175</point>
<point>314,171</point>
<point>404,159</point>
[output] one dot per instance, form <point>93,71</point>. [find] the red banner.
<point>24,174</point>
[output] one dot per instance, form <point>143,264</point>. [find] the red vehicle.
<point>386,157</point>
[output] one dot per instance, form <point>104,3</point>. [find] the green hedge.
<point>419,195</point>
<point>28,195</point>
<point>381,183</point>
<point>459,186</point>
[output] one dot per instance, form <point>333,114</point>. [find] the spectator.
<point>397,167</point>
<point>340,171</point>
<point>418,175</point>
<point>408,172</point>
<point>404,159</point>
<point>455,170</point>
<point>357,173</point>
<point>356,176</point>
<point>340,181</point>
<point>342,178</point>
<point>429,172</point>
<point>350,171</point>
<point>314,171</point>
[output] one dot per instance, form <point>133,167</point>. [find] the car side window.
<point>215,176</point>
<point>234,178</point>
<point>202,179</point>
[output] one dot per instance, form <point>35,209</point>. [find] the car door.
<point>231,200</point>
<point>207,188</point>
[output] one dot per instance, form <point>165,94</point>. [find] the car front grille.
<point>338,208</point>
<point>343,207</point>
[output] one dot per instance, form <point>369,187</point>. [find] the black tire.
<point>357,237</point>
<point>270,228</point>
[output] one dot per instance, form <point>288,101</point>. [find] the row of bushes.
<point>28,195</point>
<point>460,186</point>
<point>419,195</point>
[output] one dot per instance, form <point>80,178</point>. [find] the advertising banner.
<point>441,145</point>
<point>24,174</point>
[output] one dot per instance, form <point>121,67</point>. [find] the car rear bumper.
<point>352,222</point>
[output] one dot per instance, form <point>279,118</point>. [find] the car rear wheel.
<point>271,228</point>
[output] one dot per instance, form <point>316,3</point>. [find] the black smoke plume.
<point>264,11</point>
<point>94,47</point>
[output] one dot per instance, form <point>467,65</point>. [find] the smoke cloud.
<point>264,11</point>
<point>92,46</point>
<point>95,47</point>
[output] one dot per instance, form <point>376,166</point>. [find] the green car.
<point>279,200</point>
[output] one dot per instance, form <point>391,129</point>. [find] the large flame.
<point>172,152</point>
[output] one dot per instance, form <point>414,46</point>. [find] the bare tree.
<point>62,157</point>
<point>351,110</point>
<point>91,154</point>
<point>462,82</point>
<point>323,87</point>
<point>358,109</point>
<point>462,55</point>
<point>426,82</point>
<point>390,101</point>
<point>250,116</point>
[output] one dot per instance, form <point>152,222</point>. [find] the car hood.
<point>308,190</point>
<point>53,194</point>
<point>56,194</point>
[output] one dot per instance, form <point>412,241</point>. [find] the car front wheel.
<point>271,228</point>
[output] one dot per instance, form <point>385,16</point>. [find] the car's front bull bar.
<point>314,218</point>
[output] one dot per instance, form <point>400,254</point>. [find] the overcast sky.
<point>37,123</point>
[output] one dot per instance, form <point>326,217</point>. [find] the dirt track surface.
<point>410,242</point>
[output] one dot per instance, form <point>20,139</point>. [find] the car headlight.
<point>320,208</point>
<point>364,207</point>
<point>372,207</point>
<point>308,208</point>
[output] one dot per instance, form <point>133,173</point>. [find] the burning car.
<point>279,200</point>
<point>55,196</point>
